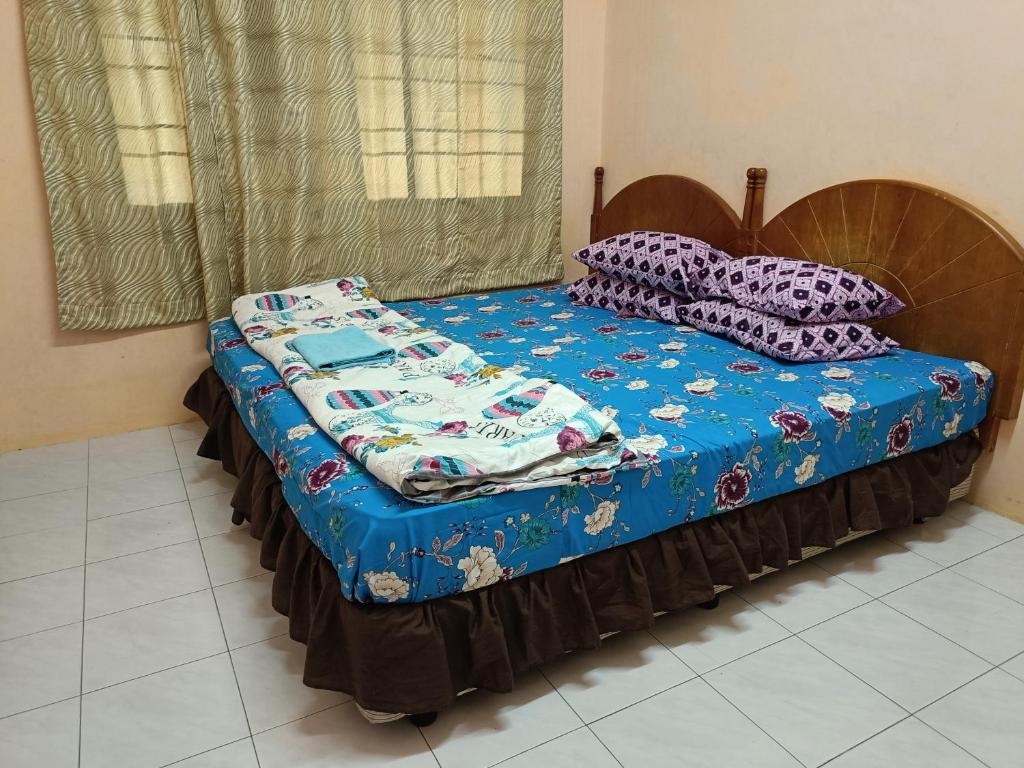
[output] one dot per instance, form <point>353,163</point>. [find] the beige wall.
<point>824,92</point>
<point>583,92</point>
<point>59,385</point>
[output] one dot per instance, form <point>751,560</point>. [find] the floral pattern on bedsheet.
<point>713,427</point>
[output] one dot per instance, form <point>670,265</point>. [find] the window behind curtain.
<point>438,125</point>
<point>145,92</point>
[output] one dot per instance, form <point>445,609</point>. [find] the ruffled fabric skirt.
<point>417,657</point>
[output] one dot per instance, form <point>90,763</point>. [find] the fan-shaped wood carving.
<point>960,274</point>
<point>682,205</point>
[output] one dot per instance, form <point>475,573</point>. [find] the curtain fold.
<point>414,142</point>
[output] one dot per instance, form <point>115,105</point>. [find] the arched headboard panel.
<point>960,274</point>
<point>678,204</point>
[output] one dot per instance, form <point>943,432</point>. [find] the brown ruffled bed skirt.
<point>417,657</point>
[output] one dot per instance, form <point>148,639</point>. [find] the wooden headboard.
<point>681,205</point>
<point>960,274</point>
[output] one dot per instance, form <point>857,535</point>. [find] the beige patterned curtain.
<point>415,142</point>
<point>112,134</point>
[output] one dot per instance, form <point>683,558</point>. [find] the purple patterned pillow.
<point>626,298</point>
<point>802,290</point>
<point>785,338</point>
<point>657,260</point>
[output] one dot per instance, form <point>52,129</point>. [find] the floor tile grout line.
<point>977,677</point>
<point>999,543</point>
<point>340,704</point>
<point>208,751</point>
<point>753,722</point>
<point>142,605</point>
<point>876,597</point>
<point>40,706</point>
<point>320,711</point>
<point>429,748</point>
<point>48,529</point>
<point>804,629</point>
<point>606,747</point>
<point>179,665</point>
<point>733,590</point>
<point>582,718</point>
<point>140,509</point>
<point>956,744</point>
<point>852,747</point>
<point>85,581</point>
<point>638,701</point>
<point>554,687</point>
<point>880,599</point>
<point>991,589</point>
<point>1007,671</point>
<point>940,567</point>
<point>132,512</point>
<point>174,447</point>
<point>940,634</point>
<point>224,634</point>
<point>736,592</point>
<point>139,552</point>
<point>787,569</point>
<point>65,625</point>
<point>990,665</point>
<point>745,655</point>
<point>44,573</point>
<point>265,639</point>
<point>583,724</point>
<point>577,729</point>
<point>108,559</point>
<point>972,525</point>
<point>48,493</point>
<point>148,603</point>
<point>897,589</point>
<point>854,675</point>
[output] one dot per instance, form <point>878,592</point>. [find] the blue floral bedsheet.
<point>713,426</point>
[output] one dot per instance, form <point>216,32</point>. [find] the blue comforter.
<point>714,427</point>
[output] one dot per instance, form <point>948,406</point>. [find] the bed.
<point>743,464</point>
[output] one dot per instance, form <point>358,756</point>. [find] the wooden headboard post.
<point>753,211</point>
<point>595,214</point>
<point>670,203</point>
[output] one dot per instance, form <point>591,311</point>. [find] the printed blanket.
<point>438,423</point>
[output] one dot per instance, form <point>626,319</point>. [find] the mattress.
<point>714,427</point>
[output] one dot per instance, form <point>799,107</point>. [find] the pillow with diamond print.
<point>663,260</point>
<point>625,298</point>
<point>803,290</point>
<point>784,338</point>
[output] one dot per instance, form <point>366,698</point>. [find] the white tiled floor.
<point>136,630</point>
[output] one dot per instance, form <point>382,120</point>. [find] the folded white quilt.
<point>437,423</point>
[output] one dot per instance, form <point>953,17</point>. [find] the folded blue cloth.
<point>345,348</point>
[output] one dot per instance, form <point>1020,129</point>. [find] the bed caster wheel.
<point>918,521</point>
<point>423,719</point>
<point>710,605</point>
